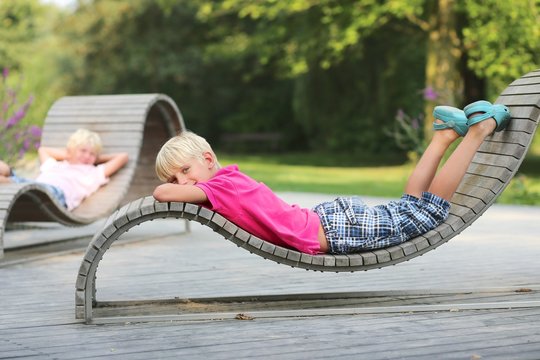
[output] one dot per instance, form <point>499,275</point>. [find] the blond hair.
<point>180,149</point>
<point>83,137</point>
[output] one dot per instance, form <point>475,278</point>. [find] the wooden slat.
<point>485,182</point>
<point>529,112</point>
<point>494,147</point>
<point>530,88</point>
<point>526,81</point>
<point>103,127</point>
<point>77,119</point>
<point>525,99</point>
<point>505,161</point>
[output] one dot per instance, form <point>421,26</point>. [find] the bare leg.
<point>5,171</point>
<point>424,172</point>
<point>447,180</point>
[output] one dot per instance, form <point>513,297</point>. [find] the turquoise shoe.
<point>452,118</point>
<point>487,110</point>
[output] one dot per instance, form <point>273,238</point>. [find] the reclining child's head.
<point>181,150</point>
<point>83,147</point>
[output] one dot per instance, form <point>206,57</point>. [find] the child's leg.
<point>5,171</point>
<point>447,180</point>
<point>424,172</point>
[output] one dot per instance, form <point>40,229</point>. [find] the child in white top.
<point>74,172</point>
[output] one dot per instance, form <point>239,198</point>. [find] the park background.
<point>306,95</point>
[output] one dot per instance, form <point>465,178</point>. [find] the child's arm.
<point>58,154</point>
<point>112,162</point>
<point>184,193</point>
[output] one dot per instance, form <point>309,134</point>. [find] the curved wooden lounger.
<point>136,124</point>
<point>494,165</point>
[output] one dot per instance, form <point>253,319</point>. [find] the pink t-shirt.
<point>255,208</point>
<point>77,181</point>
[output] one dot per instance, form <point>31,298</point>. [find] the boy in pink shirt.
<point>71,173</point>
<point>193,174</point>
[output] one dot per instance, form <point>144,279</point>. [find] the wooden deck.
<point>474,298</point>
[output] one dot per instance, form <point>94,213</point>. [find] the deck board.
<point>499,251</point>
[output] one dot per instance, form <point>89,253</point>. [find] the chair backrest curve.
<point>137,124</point>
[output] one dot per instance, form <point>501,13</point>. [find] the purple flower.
<point>414,124</point>
<point>35,131</point>
<point>26,144</point>
<point>15,118</point>
<point>430,93</point>
<point>16,138</point>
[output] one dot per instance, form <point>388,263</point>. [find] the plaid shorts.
<point>352,226</point>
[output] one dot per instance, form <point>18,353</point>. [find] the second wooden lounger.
<point>136,124</point>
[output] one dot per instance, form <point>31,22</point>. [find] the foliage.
<point>300,34</point>
<point>18,28</point>
<point>502,39</point>
<point>29,47</point>
<point>520,191</point>
<point>408,134</point>
<point>327,75</point>
<point>216,69</point>
<point>16,137</point>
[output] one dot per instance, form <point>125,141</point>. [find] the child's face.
<point>194,171</point>
<point>82,154</point>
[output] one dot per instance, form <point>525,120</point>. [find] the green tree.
<point>18,29</point>
<point>468,42</point>
<point>502,40</point>
<point>328,74</point>
<point>343,72</point>
<point>134,47</point>
<point>29,50</point>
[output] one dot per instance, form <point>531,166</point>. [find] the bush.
<point>16,136</point>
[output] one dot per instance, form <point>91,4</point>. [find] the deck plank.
<point>499,251</point>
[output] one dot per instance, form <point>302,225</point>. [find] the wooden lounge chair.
<point>136,124</point>
<point>494,165</point>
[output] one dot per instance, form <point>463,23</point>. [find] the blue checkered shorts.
<point>57,193</point>
<point>352,226</point>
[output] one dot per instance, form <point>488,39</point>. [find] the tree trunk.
<point>443,59</point>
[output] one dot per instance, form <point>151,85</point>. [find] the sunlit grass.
<point>385,181</point>
<point>281,173</point>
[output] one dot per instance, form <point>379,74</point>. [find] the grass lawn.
<point>280,175</point>
<point>315,173</point>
